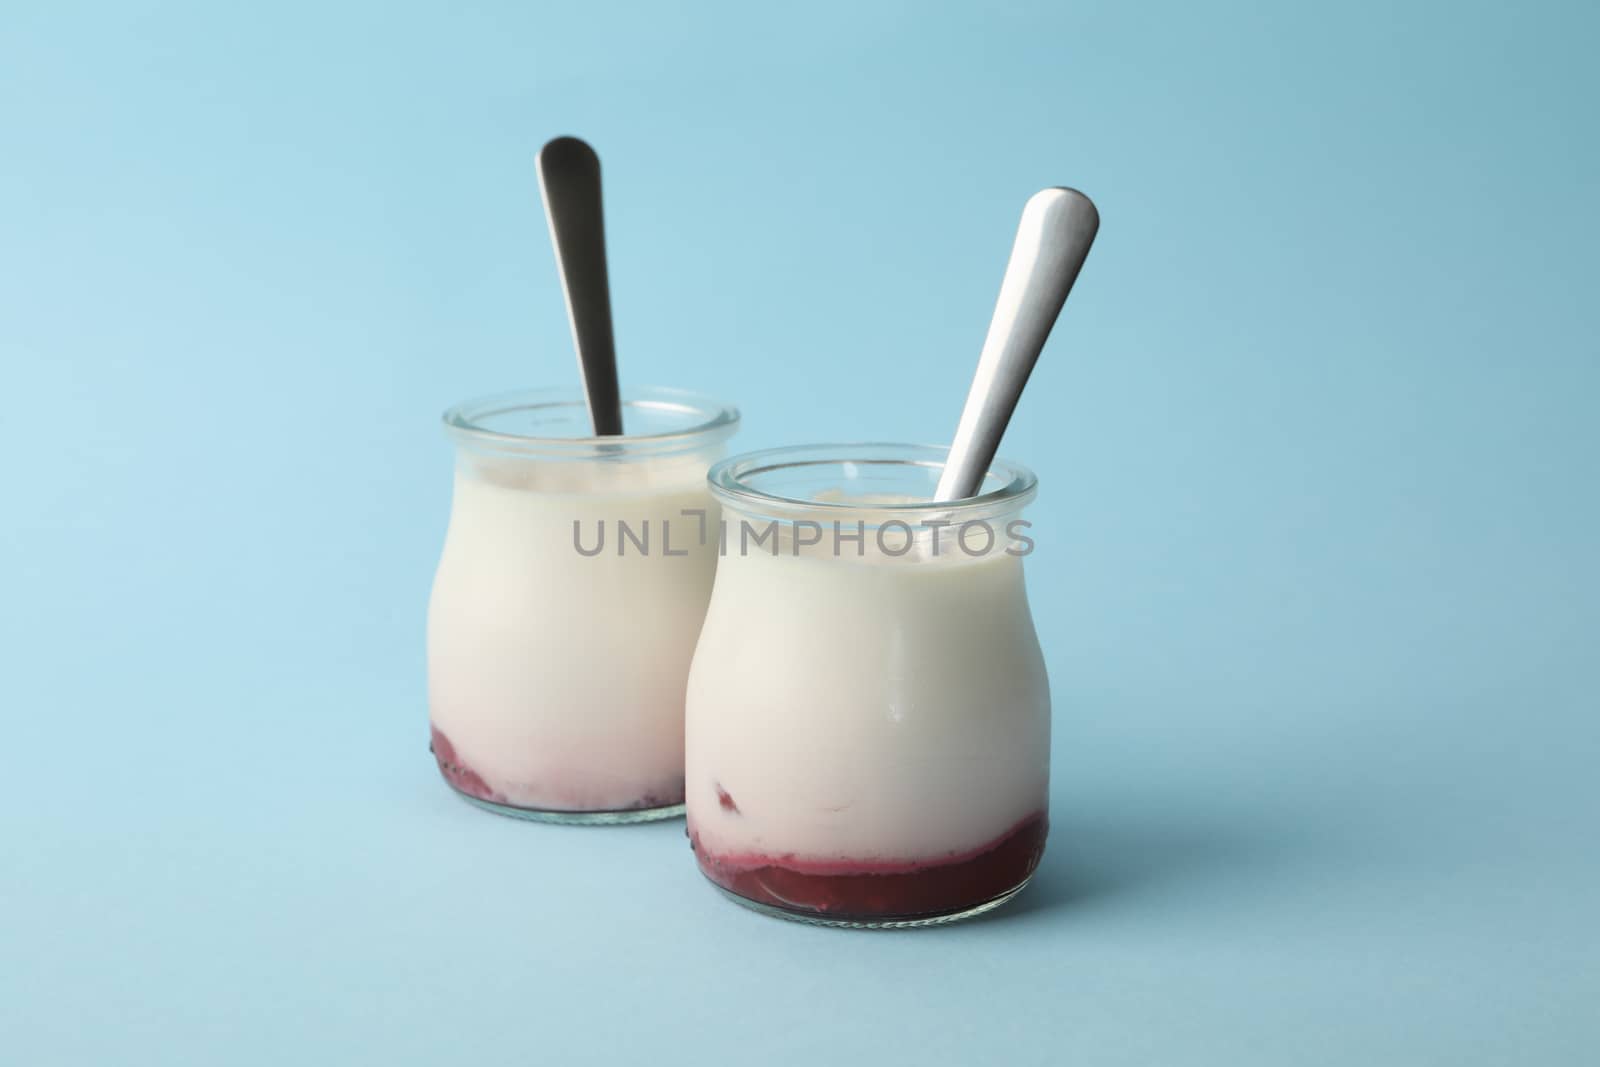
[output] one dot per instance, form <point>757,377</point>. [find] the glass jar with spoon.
<point>577,566</point>
<point>868,715</point>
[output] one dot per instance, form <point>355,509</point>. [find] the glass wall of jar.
<point>868,713</point>
<point>571,588</point>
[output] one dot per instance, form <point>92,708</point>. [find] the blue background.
<point>1317,571</point>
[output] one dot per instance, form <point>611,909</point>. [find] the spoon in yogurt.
<point>1053,239</point>
<point>569,180</point>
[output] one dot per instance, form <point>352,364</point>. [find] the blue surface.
<point>1317,571</point>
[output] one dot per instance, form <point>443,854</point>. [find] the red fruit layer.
<point>466,780</point>
<point>463,778</point>
<point>869,889</point>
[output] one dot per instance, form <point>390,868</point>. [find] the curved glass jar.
<point>569,594</point>
<point>868,715</point>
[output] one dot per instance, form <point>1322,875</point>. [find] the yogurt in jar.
<point>868,720</point>
<point>573,583</point>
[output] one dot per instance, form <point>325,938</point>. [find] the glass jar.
<point>868,715</point>
<point>569,594</point>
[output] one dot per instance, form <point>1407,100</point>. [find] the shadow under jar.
<point>868,715</point>
<point>572,585</point>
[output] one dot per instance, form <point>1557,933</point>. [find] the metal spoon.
<point>569,179</point>
<point>1057,228</point>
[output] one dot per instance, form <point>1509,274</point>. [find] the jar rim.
<point>707,421</point>
<point>729,479</point>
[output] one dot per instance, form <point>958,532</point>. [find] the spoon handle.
<point>1057,228</point>
<point>569,179</point>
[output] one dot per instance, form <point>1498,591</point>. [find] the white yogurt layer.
<point>865,710</point>
<point>558,678</point>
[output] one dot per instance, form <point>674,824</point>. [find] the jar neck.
<point>874,484</point>
<point>552,425</point>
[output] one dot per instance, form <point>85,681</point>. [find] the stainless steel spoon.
<point>569,179</point>
<point>1057,228</point>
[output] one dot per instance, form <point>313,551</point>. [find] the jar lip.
<point>729,478</point>
<point>708,421</point>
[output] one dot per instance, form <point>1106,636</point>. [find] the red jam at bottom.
<point>458,774</point>
<point>869,890</point>
<point>464,779</point>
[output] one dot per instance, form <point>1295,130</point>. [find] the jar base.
<point>465,783</point>
<point>909,922</point>
<point>574,818</point>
